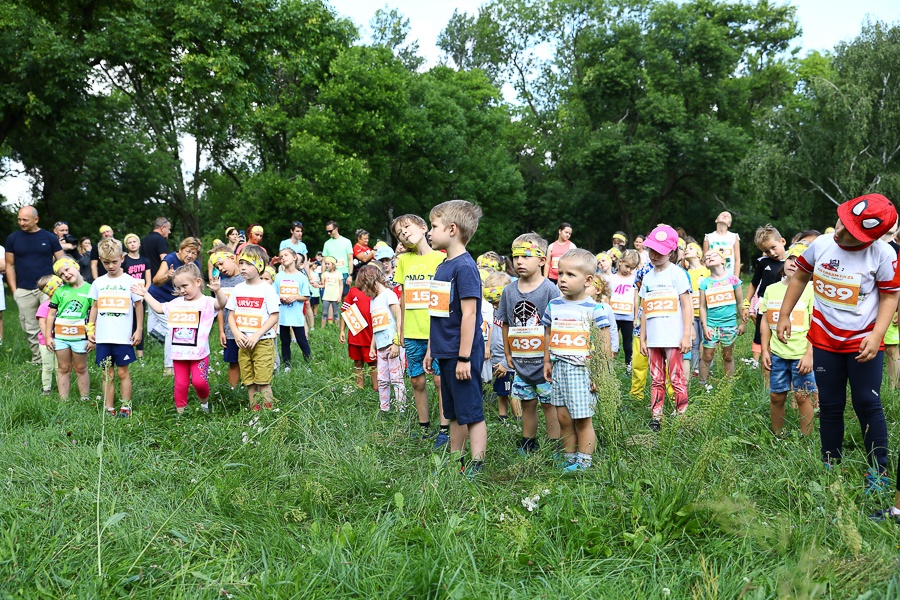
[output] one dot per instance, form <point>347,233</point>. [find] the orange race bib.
<point>439,299</point>
<point>248,322</point>
<point>182,317</point>
<point>69,329</point>
<point>527,342</point>
<point>837,290</point>
<point>570,338</point>
<point>380,320</point>
<point>417,294</point>
<point>695,300</point>
<point>621,305</point>
<point>289,288</point>
<point>354,319</point>
<point>720,296</point>
<point>661,303</point>
<point>554,262</point>
<point>112,303</point>
<point>798,317</point>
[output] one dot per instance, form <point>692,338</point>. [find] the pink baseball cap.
<point>663,239</point>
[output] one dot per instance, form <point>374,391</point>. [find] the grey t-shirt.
<point>227,284</point>
<point>526,310</point>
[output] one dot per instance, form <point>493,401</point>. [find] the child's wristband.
<point>746,304</point>
<point>90,328</point>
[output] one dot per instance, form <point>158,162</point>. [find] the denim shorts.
<point>720,335</point>
<point>415,358</point>
<point>786,371</point>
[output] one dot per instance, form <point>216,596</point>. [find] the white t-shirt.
<point>384,325</point>
<point>252,305</point>
<point>660,295</point>
<point>115,308</point>
<point>621,298</point>
<point>724,242</point>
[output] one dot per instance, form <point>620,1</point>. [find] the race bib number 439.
<point>837,290</point>
<point>527,342</point>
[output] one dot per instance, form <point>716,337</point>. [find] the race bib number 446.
<point>837,290</point>
<point>570,339</point>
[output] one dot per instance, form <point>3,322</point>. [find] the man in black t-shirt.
<point>154,247</point>
<point>30,253</point>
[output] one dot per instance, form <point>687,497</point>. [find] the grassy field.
<point>326,498</point>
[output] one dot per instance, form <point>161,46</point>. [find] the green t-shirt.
<point>415,272</point>
<point>73,306</point>
<point>340,249</point>
<point>770,306</point>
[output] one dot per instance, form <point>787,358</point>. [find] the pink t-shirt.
<point>41,313</point>
<point>556,252</point>
<point>189,324</point>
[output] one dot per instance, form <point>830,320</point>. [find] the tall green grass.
<point>326,498</point>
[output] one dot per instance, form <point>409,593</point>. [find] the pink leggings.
<point>188,372</point>
<point>658,359</point>
<point>390,373</point>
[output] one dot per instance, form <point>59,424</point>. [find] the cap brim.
<point>658,246</point>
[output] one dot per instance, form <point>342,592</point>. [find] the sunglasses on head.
<point>296,224</point>
<point>58,223</point>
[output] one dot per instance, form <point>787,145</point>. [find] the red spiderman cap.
<point>868,217</point>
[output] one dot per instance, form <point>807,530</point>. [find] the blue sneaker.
<point>876,483</point>
<point>573,468</point>
<point>442,439</point>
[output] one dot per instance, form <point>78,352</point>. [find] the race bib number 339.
<point>837,290</point>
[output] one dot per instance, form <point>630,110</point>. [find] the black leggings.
<point>300,336</point>
<point>832,371</point>
<point>626,328</point>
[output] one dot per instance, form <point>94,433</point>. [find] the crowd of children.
<point>525,325</point>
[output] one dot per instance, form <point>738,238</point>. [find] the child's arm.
<point>51,321</point>
<point>215,285</point>
<point>341,337</point>
<point>739,297</point>
<point>507,349</point>
<point>706,333</point>
<point>220,319</point>
<point>548,366</point>
<point>271,322</point>
<point>426,362</point>
<point>42,324</point>
<point>147,280</point>
<point>687,315</point>
<point>765,336</point>
<point>152,302</point>
<point>398,340</point>
<point>469,308</point>
<point>373,353</point>
<point>744,311</point>
<point>643,337</point>
<point>92,322</point>
<point>239,336</point>
<point>887,306</point>
<point>94,269</point>
<point>737,257</point>
<point>791,296</point>
<point>806,363</point>
<point>403,311</point>
<point>139,323</point>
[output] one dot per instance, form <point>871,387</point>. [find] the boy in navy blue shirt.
<point>455,311</point>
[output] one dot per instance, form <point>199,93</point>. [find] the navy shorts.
<point>503,385</point>
<point>119,355</point>
<point>230,353</point>
<point>462,399</point>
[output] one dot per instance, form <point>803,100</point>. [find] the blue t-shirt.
<point>465,282</point>
<point>721,300</point>
<point>292,284</point>
<point>33,254</point>
<point>166,292</point>
<point>299,247</point>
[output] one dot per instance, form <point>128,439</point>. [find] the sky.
<point>824,24</point>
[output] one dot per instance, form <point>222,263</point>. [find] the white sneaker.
<point>628,368</point>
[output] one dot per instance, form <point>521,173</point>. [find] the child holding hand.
<point>384,310</point>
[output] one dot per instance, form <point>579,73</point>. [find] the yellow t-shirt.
<point>697,275</point>
<point>415,272</point>
<point>769,308</point>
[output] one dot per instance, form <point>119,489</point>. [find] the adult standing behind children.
<point>154,246</point>
<point>726,241</point>
<point>30,253</point>
<point>163,291</point>
<point>339,248</point>
<point>295,241</point>
<point>557,249</point>
<point>362,254</point>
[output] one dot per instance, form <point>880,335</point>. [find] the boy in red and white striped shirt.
<point>855,287</point>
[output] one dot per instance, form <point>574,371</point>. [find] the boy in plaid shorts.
<point>567,322</point>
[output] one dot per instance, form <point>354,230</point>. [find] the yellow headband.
<point>271,271</point>
<point>257,230</point>
<point>615,253</point>
<point>682,244</point>
<point>619,236</point>
<point>601,256</point>
<point>696,247</point>
<point>331,259</point>
<point>104,229</point>
<point>64,262</point>
<point>492,294</point>
<point>256,261</point>
<point>220,256</point>
<point>51,286</point>
<point>487,263</point>
<point>528,249</point>
<point>129,236</point>
<point>796,250</point>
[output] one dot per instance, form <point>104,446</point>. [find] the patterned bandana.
<point>492,294</point>
<point>796,250</point>
<point>253,260</point>
<point>485,262</point>
<point>528,249</point>
<point>51,286</point>
<point>216,257</point>
<point>271,271</point>
<point>64,262</point>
